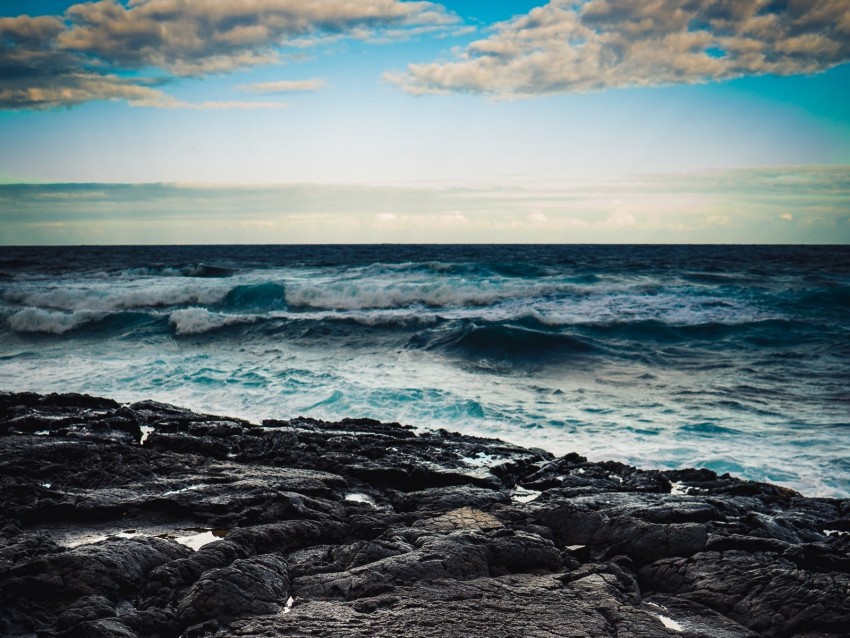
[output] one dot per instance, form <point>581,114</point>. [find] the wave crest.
<point>205,271</point>
<point>106,299</point>
<point>511,342</point>
<point>193,321</point>
<point>359,295</point>
<point>51,322</point>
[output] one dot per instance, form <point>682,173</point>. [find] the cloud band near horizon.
<point>802,204</point>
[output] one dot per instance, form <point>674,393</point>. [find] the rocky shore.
<point>149,520</point>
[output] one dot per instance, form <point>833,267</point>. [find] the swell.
<point>255,297</point>
<point>758,332</point>
<point>833,298</point>
<point>506,341</point>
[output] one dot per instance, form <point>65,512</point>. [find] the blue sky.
<point>478,121</point>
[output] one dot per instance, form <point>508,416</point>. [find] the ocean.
<point>733,358</point>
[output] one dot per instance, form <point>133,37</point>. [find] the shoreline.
<point>219,527</point>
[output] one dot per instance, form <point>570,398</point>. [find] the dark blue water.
<point>733,358</point>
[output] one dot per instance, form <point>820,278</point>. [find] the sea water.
<point>734,358</point>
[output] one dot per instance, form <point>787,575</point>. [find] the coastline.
<point>729,358</point>
<point>218,527</point>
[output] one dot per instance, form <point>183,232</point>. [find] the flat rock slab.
<point>151,520</point>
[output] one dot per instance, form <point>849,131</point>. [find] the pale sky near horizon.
<point>383,120</point>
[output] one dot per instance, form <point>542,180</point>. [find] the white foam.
<point>522,495</point>
<point>53,322</point>
<point>396,293</point>
<point>614,306</point>
<point>288,606</point>
<point>670,623</point>
<point>106,297</point>
<point>192,321</point>
<point>167,271</point>
<point>480,460</point>
<point>358,497</point>
<point>679,489</point>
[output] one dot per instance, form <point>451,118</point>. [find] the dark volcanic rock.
<point>151,520</point>
<point>256,586</point>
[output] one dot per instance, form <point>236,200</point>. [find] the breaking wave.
<point>192,321</point>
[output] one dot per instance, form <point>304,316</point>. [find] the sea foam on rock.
<point>361,528</point>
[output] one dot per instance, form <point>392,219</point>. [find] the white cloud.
<point>85,54</point>
<point>163,101</point>
<point>195,37</point>
<point>718,220</point>
<point>75,88</point>
<point>587,45</point>
<point>286,86</point>
<point>538,217</point>
<point>619,219</point>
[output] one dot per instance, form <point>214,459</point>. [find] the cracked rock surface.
<point>149,520</point>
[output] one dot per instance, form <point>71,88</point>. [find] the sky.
<point>288,121</point>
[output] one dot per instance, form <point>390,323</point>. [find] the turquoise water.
<point>732,358</point>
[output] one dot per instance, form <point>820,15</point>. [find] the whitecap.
<point>106,296</point>
<point>49,321</point>
<point>358,295</point>
<point>192,321</point>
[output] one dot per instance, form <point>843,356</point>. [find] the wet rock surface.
<point>149,520</point>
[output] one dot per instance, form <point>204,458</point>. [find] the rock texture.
<point>148,520</point>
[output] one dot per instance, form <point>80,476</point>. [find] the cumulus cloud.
<point>587,45</point>
<point>115,50</point>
